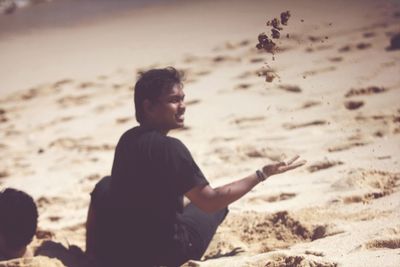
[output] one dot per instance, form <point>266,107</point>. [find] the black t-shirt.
<point>150,174</point>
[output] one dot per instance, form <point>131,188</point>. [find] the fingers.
<point>293,166</point>
<point>298,164</point>
<point>293,159</point>
<point>280,167</point>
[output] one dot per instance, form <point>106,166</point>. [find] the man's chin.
<point>180,125</point>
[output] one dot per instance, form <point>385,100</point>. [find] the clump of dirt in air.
<point>267,44</point>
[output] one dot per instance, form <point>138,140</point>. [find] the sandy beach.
<point>66,97</point>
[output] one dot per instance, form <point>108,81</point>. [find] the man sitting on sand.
<point>137,216</point>
<point>18,223</point>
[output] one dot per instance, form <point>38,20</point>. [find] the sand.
<point>66,97</point>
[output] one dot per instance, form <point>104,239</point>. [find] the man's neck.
<point>149,126</point>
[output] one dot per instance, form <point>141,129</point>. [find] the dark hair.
<point>19,215</point>
<point>152,84</point>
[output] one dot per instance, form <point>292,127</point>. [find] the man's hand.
<point>280,167</point>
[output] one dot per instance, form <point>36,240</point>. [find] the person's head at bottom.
<point>159,99</point>
<point>18,223</point>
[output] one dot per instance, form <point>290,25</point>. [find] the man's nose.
<point>182,105</point>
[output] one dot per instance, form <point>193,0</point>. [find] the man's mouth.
<point>180,117</point>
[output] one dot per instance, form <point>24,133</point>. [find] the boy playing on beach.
<point>18,223</point>
<point>137,217</point>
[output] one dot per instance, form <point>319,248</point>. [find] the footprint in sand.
<point>43,201</point>
<point>389,238</point>
<point>279,260</point>
<point>273,198</point>
<point>315,253</point>
<point>92,177</point>
<point>79,144</point>
<point>346,146</point>
<point>244,152</point>
<point>123,120</point>
<point>62,82</point>
<point>102,77</point>
<point>192,76</point>
<point>257,60</point>
<point>3,116</point>
<point>187,59</point>
<point>317,39</point>
<point>4,174</point>
<point>358,46</point>
<point>54,122</point>
<point>344,49</point>
<point>291,126</point>
<point>192,102</point>
<point>309,104</point>
<point>352,105</point>
<point>290,88</point>
<point>321,165</point>
<point>30,94</point>
<point>222,59</point>
<point>73,100</point>
<point>363,46</point>
<point>369,34</point>
<point>247,120</point>
<point>388,123</point>
<point>335,59</point>
<point>364,198</point>
<point>118,86</point>
<point>365,91</point>
<point>243,86</point>
<point>392,242</point>
<point>322,47</point>
<point>318,71</point>
<point>39,91</point>
<point>202,73</point>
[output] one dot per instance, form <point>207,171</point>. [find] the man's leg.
<point>201,227</point>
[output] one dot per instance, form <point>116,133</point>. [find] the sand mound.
<point>373,184</point>
<point>368,179</point>
<point>38,261</point>
<point>389,238</point>
<point>281,260</point>
<point>260,232</point>
<point>391,243</point>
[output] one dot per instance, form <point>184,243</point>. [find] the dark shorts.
<point>197,227</point>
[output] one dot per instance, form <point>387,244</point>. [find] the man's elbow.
<point>206,199</point>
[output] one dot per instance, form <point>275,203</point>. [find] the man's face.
<point>168,111</point>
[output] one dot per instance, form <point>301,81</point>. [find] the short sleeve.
<point>183,169</point>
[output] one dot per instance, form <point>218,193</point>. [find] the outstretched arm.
<point>211,199</point>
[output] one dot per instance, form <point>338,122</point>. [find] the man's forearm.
<point>226,194</point>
